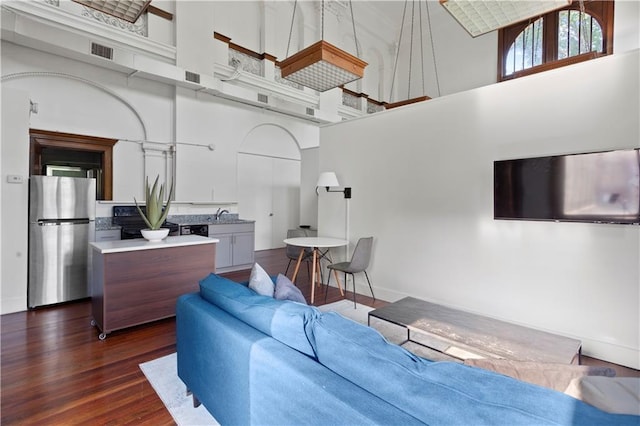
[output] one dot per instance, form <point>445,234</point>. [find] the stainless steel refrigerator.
<point>61,223</point>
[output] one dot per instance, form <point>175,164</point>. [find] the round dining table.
<point>316,244</point>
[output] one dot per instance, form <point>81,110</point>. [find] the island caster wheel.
<point>102,336</point>
<point>93,323</point>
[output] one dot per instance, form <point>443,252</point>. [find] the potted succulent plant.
<point>154,215</point>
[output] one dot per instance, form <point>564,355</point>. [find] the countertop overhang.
<point>142,244</point>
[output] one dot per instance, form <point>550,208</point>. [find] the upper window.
<point>581,31</point>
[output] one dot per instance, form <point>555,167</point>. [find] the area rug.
<point>163,375</point>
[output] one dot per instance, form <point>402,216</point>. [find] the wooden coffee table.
<point>466,335</point>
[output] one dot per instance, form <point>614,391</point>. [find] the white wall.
<point>422,179</point>
<point>14,161</point>
<point>203,120</point>
<point>74,97</point>
<point>107,103</point>
<point>626,30</point>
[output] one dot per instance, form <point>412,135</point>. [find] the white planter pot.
<point>155,235</point>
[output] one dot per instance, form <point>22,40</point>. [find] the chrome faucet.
<point>220,213</point>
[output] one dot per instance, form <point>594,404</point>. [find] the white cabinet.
<point>235,250</point>
<point>224,254</point>
<point>243,248</point>
<point>107,235</point>
<point>203,175</point>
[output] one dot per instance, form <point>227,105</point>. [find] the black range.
<point>130,222</point>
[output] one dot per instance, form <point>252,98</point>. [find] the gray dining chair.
<point>359,263</point>
<point>293,252</point>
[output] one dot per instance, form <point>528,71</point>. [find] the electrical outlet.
<point>15,179</point>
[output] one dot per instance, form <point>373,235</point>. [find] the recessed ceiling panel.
<point>480,17</point>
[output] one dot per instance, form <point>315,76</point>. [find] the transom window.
<point>581,31</point>
<point>578,33</point>
<point>526,51</point>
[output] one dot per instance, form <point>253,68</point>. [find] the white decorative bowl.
<point>155,235</point>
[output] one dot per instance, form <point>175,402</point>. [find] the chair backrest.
<point>361,254</point>
<point>294,251</point>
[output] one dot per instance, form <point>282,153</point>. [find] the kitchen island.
<point>135,281</point>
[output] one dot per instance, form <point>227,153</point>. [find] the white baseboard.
<point>13,304</point>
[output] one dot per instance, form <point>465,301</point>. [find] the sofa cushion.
<point>550,375</point>
<point>281,319</point>
<point>260,282</point>
<point>286,290</point>
<point>441,392</point>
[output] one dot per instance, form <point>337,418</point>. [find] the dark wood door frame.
<point>45,139</point>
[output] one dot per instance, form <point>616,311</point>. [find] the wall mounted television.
<point>596,187</point>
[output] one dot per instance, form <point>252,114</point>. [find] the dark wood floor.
<point>55,371</point>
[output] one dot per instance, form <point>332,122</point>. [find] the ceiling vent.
<point>102,51</point>
<point>192,77</point>
<point>311,112</point>
<point>263,98</point>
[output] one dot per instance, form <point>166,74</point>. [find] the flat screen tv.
<point>601,187</point>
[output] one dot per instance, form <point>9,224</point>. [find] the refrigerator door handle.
<point>63,222</point>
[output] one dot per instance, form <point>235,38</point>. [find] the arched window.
<point>526,50</point>
<point>579,32</point>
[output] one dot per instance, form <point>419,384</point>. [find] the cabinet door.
<point>212,180</point>
<point>243,248</point>
<point>224,255</point>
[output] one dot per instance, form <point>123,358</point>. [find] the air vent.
<point>102,51</point>
<point>192,77</point>
<point>263,98</point>
<point>311,111</point>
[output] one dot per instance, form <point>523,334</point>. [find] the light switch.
<point>15,179</point>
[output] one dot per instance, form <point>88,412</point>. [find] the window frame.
<point>602,11</point>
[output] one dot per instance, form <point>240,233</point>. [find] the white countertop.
<point>142,244</point>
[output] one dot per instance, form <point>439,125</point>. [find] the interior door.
<point>269,193</point>
<point>285,199</point>
<point>254,195</point>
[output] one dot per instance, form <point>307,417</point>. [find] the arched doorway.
<point>269,183</point>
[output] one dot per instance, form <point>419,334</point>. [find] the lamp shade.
<point>328,179</point>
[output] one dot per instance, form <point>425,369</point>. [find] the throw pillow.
<point>281,319</point>
<point>260,282</point>
<point>286,290</point>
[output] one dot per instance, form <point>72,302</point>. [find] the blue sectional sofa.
<point>251,359</point>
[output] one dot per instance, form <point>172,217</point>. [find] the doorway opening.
<point>66,154</point>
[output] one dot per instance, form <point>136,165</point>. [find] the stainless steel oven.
<point>194,230</point>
